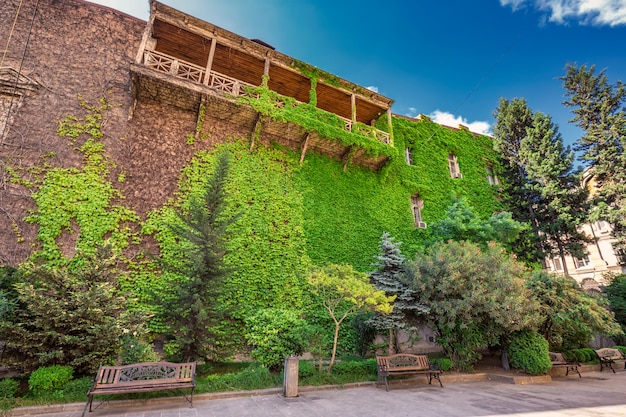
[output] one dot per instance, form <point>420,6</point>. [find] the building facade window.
<point>408,156</point>
<point>491,176</point>
<point>417,204</point>
<point>620,255</point>
<point>601,226</point>
<point>453,164</point>
<point>582,262</point>
<point>557,264</point>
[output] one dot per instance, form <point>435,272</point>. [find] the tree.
<point>541,186</point>
<point>387,278</point>
<point>192,310</point>
<point>475,297</point>
<point>560,200</point>
<point>570,316</point>
<point>342,291</point>
<point>461,223</point>
<point>616,295</point>
<point>599,110</point>
<point>75,317</point>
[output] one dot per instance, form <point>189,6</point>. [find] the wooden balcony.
<point>189,63</point>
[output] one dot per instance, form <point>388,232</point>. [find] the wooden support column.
<point>389,126</point>
<point>305,146</point>
<point>353,107</point>
<point>147,35</point>
<point>346,157</point>
<point>266,67</point>
<point>209,62</point>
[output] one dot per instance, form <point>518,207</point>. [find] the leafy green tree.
<point>541,188</point>
<point>570,316</point>
<point>71,317</point>
<point>462,223</point>
<point>599,110</point>
<point>616,294</point>
<point>192,312</point>
<point>387,277</point>
<point>475,297</point>
<point>342,291</point>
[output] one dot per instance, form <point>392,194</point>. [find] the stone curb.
<point>446,378</point>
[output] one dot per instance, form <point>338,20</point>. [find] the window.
<point>558,266</point>
<point>620,254</point>
<point>582,262</point>
<point>601,226</point>
<point>407,156</point>
<point>453,164</point>
<point>491,176</point>
<point>416,206</point>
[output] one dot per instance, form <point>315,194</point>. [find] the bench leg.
<point>434,376</point>
<point>87,405</point>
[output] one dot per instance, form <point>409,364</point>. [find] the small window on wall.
<point>491,176</point>
<point>453,164</point>
<point>601,226</point>
<point>558,266</point>
<point>417,205</point>
<point>408,157</point>
<point>582,262</point>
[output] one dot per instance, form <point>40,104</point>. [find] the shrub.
<point>356,369</point>
<point>621,349</point>
<point>444,364</point>
<point>135,350</point>
<point>8,388</point>
<point>275,334</point>
<point>529,351</point>
<point>250,378</point>
<point>306,369</point>
<point>49,379</point>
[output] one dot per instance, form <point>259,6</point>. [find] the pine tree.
<point>542,187</point>
<point>599,110</point>
<point>387,277</point>
<point>560,199</point>
<point>193,311</point>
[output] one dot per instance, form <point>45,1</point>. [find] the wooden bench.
<point>143,377</point>
<point>608,357</point>
<point>559,361</point>
<point>405,364</point>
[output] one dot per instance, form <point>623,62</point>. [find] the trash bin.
<point>290,386</point>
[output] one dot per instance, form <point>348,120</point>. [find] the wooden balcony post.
<point>390,126</point>
<point>353,106</point>
<point>209,62</point>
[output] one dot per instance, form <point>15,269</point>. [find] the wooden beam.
<point>346,157</point>
<point>209,62</point>
<point>200,114</point>
<point>353,107</point>
<point>147,34</point>
<point>305,146</point>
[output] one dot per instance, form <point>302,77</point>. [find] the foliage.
<point>528,350</point>
<point>616,295</point>
<point>342,291</point>
<point>275,334</point>
<point>250,378</point>
<point>81,200</point>
<point>135,350</point>
<point>49,378</point>
<point>570,316</point>
<point>475,297</point>
<point>73,317</point>
<point>8,388</point>
<point>599,111</point>
<point>583,355</point>
<point>463,223</point>
<point>541,187</point>
<point>190,311</point>
<point>387,278</point>
<point>444,364</point>
<point>365,332</point>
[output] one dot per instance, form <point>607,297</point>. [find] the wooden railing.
<point>170,65</point>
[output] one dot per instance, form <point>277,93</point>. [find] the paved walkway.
<point>596,394</point>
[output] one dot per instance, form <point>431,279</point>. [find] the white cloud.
<point>448,119</point>
<point>137,8</point>
<point>594,12</point>
<point>372,88</point>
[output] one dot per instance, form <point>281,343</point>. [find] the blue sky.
<point>449,59</point>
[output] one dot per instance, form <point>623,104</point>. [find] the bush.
<point>8,388</point>
<point>356,369</point>
<point>306,369</point>
<point>49,379</point>
<point>250,378</point>
<point>621,349</point>
<point>275,334</point>
<point>529,351</point>
<point>444,364</point>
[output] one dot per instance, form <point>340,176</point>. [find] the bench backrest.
<point>145,373</point>
<point>609,353</point>
<point>557,358</point>
<point>403,360</point>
